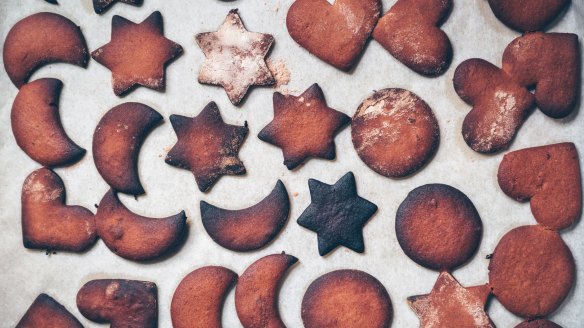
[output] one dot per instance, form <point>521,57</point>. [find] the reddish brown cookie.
<point>550,62</point>
<point>136,237</point>
<point>303,126</point>
<point>117,140</point>
<point>500,105</point>
<point>346,298</point>
<point>198,299</point>
<point>137,54</point>
<point>100,6</point>
<point>395,132</point>
<point>527,15</point>
<point>42,39</point>
<point>250,228</point>
<point>438,227</point>
<point>36,124</point>
<point>531,271</point>
<point>121,303</point>
<point>47,222</point>
<point>220,141</point>
<point>410,32</point>
<point>548,177</point>
<point>45,312</point>
<point>334,33</point>
<point>538,323</point>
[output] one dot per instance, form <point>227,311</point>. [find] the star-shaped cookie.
<point>235,58</point>
<point>207,146</point>
<point>100,6</point>
<point>137,54</point>
<point>451,305</point>
<point>303,126</point>
<point>337,214</point>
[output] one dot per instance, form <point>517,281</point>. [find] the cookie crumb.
<point>279,71</point>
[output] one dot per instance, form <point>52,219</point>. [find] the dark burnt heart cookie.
<point>527,15</point>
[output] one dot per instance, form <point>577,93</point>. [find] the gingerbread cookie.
<point>346,298</point>
<point>137,54</point>
<point>334,33</point>
<point>395,132</point>
<point>100,6</point>
<point>303,126</point>
<point>411,32</point>
<point>45,312</point>
<point>527,16</point>
<point>538,323</point>
<point>41,39</point>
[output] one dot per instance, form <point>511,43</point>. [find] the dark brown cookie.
<point>41,39</point>
<point>137,54</point>
<point>250,228</point>
<point>348,299</point>
<point>117,140</point>
<point>220,141</point>
<point>45,312</point>
<point>500,105</point>
<point>303,126</point>
<point>256,293</point>
<point>136,237</point>
<point>531,271</point>
<point>121,303</point>
<point>334,33</point>
<point>36,124</point>
<point>198,300</point>
<point>100,6</point>
<point>538,323</point>
<point>235,58</point>
<point>548,177</point>
<point>527,15</point>
<point>438,227</point>
<point>410,32</point>
<point>47,222</point>
<point>395,132</point>
<point>550,62</point>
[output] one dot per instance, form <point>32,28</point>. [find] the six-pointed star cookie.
<point>100,6</point>
<point>337,214</point>
<point>303,126</point>
<point>207,146</point>
<point>451,305</point>
<point>235,58</point>
<point>137,53</point>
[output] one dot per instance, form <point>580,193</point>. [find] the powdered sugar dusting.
<point>38,191</point>
<point>503,125</point>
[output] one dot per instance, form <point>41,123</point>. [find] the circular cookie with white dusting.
<point>395,132</point>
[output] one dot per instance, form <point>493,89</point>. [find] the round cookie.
<point>438,227</point>
<point>395,132</point>
<point>539,323</point>
<point>531,271</point>
<point>346,298</point>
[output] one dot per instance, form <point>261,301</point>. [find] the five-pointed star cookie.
<point>337,214</point>
<point>207,146</point>
<point>235,58</point>
<point>451,305</point>
<point>303,126</point>
<point>100,6</point>
<point>137,53</point>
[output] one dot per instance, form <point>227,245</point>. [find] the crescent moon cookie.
<point>47,313</point>
<point>235,58</point>
<point>137,54</point>
<point>395,132</point>
<point>41,39</point>
<point>303,126</point>
<point>36,124</point>
<point>207,146</point>
<point>348,299</point>
<point>528,16</point>
<point>100,6</point>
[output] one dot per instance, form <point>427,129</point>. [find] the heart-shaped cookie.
<point>410,32</point>
<point>334,33</point>
<point>527,15</point>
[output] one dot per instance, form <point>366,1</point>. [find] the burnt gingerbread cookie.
<point>500,105</point>
<point>47,222</point>
<point>198,300</point>
<point>235,58</point>
<point>45,312</point>
<point>100,6</point>
<point>303,126</point>
<point>395,132</point>
<point>348,299</point>
<point>531,271</point>
<point>41,39</point>
<point>527,15</point>
<point>538,323</point>
<point>410,32</point>
<point>334,33</point>
<point>121,303</point>
<point>137,54</point>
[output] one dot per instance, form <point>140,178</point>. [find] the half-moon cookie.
<point>527,16</point>
<point>538,323</point>
<point>395,132</point>
<point>303,126</point>
<point>100,6</point>
<point>348,299</point>
<point>45,312</point>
